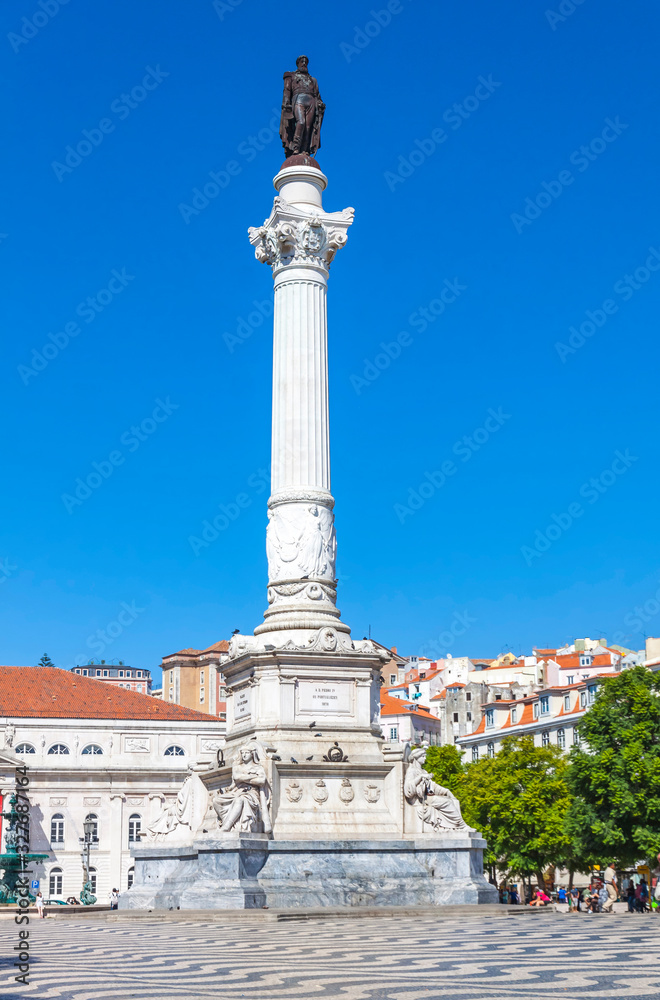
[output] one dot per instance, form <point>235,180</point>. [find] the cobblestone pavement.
<point>388,958</point>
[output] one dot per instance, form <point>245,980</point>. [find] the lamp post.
<point>86,845</point>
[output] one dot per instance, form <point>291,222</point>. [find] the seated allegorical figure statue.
<point>435,805</point>
<point>181,818</point>
<point>244,806</point>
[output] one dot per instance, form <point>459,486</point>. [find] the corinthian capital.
<point>292,237</point>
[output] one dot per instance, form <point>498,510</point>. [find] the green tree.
<point>445,765</point>
<point>45,661</point>
<point>519,799</point>
<point>615,772</point>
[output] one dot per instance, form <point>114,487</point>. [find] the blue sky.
<point>532,205</point>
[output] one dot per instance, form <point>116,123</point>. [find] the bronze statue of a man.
<point>302,111</point>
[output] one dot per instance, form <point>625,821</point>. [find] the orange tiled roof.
<point>218,647</point>
<point>545,652</point>
<point>527,716</point>
<point>571,661</point>
<point>50,693</point>
<point>439,697</point>
<point>455,684</point>
<point>481,727</point>
<point>397,706</point>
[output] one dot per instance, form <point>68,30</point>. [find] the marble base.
<point>250,871</point>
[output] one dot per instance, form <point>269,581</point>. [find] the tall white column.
<point>299,241</point>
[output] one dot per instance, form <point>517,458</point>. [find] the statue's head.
<point>302,62</point>
<point>247,755</point>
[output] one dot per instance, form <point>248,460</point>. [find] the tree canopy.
<point>615,772</point>
<point>45,661</point>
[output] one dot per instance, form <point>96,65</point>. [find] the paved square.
<point>465,958</point>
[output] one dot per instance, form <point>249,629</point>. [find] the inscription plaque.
<point>324,697</point>
<point>243,704</point>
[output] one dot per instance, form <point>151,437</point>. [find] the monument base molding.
<point>249,871</point>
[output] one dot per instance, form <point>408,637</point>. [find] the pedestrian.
<point>114,899</point>
<point>642,896</point>
<point>575,895</point>
<point>631,896</point>
<point>561,894</point>
<point>40,905</point>
<point>611,894</point>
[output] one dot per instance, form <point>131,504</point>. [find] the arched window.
<point>175,751</point>
<point>25,748</point>
<point>561,738</point>
<point>491,749</point>
<point>92,879</point>
<point>131,876</point>
<point>59,748</point>
<point>92,748</point>
<point>57,829</point>
<point>55,882</point>
<point>475,753</point>
<point>134,827</point>
<point>94,838</point>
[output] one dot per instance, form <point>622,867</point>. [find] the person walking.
<point>631,896</point>
<point>642,895</point>
<point>114,899</point>
<point>39,901</point>
<point>611,887</point>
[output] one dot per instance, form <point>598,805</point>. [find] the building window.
<point>536,709</point>
<point>491,749</point>
<point>139,673</point>
<point>55,882</point>
<point>134,827</point>
<point>585,661</point>
<point>25,748</point>
<point>475,753</point>
<point>468,716</point>
<point>131,876</point>
<point>105,673</point>
<point>57,829</point>
<point>92,748</point>
<point>545,738</point>
<point>392,678</point>
<point>77,671</point>
<point>490,717</point>
<point>201,677</point>
<point>121,673</point>
<point>468,696</point>
<point>171,677</point>
<point>592,693</point>
<point>84,673</point>
<point>58,748</point>
<point>567,702</point>
<point>171,695</point>
<point>174,751</point>
<point>455,716</point>
<point>514,716</point>
<point>583,699</point>
<point>202,696</point>
<point>576,738</point>
<point>394,734</point>
<point>561,738</point>
<point>545,705</point>
<point>570,678</point>
<point>139,687</point>
<point>94,835</point>
<point>92,879</point>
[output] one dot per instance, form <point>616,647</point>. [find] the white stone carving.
<point>180,818</point>
<point>135,800</point>
<point>320,791</point>
<point>245,805</point>
<point>301,543</point>
<point>435,805</point>
<point>294,792</point>
<point>346,792</point>
<point>91,801</point>
<point>137,744</point>
<point>372,793</point>
<point>57,802</point>
<point>10,733</point>
<point>292,236</point>
<point>209,746</point>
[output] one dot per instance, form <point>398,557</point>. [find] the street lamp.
<point>86,844</point>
